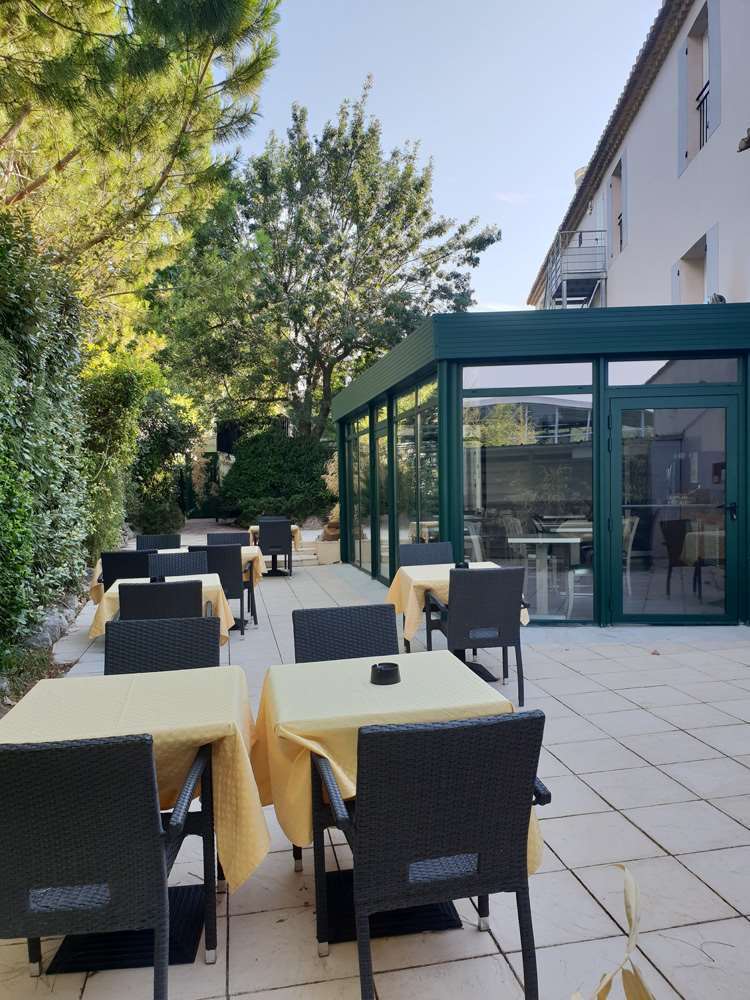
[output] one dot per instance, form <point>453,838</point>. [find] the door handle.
<point>730,508</point>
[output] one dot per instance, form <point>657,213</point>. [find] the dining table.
<point>543,545</point>
<point>213,595</point>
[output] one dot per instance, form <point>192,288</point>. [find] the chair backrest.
<point>484,607</point>
<point>674,533</point>
<point>176,599</point>
<point>228,538</point>
<point>274,534</point>
<point>425,554</point>
<point>343,633</point>
<point>226,560</point>
<point>136,647</point>
<point>443,809</point>
<point>157,541</point>
<point>125,565</point>
<point>177,564</point>
<point>81,838</point>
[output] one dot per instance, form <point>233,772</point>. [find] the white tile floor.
<point>648,760</point>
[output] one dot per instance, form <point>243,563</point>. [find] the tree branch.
<point>32,186</point>
<point>15,128</point>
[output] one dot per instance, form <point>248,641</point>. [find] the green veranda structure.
<point>603,450</point>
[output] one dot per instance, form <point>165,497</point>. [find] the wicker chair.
<point>425,554</point>
<point>484,608</point>
<point>275,539</point>
<point>135,647</point>
<point>157,542</point>
<point>176,599</point>
<point>83,848</point>
<point>476,781</point>
<point>228,538</point>
<point>226,560</point>
<point>126,565</point>
<point>343,633</point>
<point>161,564</point>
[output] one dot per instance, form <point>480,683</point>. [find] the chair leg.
<point>483,905</point>
<point>242,612</point>
<point>161,952</point>
<point>407,644</point>
<point>474,652</point>
<point>428,632</point>
<point>530,980</point>
<point>297,855</point>
<point>505,664</point>
<point>519,673</point>
<point>251,595</point>
<point>35,956</point>
<point>366,984</point>
<point>669,581</point>
<point>221,881</point>
<point>209,859</point>
<point>319,860</point>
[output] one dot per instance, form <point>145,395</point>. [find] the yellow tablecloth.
<point>182,710</point>
<point>320,707</point>
<point>296,535</point>
<point>96,589</point>
<point>409,584</point>
<point>212,591</point>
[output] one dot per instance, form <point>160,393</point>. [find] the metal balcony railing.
<point>577,254</point>
<point>701,106</point>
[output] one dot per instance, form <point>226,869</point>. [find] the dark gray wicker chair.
<point>343,633</point>
<point>157,541</point>
<point>275,539</point>
<point>425,554</point>
<point>135,647</point>
<point>161,564</point>
<point>228,538</point>
<point>442,813</point>
<point>176,599</point>
<point>125,565</point>
<point>84,849</point>
<point>484,609</point>
<point>226,560</point>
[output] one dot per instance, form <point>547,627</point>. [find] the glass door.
<point>383,506</point>
<point>673,519</point>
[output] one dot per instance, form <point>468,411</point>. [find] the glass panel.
<point>429,501</point>
<point>528,496</point>
<point>405,403</point>
<point>427,395</point>
<point>406,478</point>
<point>518,376</point>
<point>383,506</point>
<point>678,371</point>
<point>382,414</point>
<point>363,423</point>
<point>673,526</point>
<point>364,502</point>
<point>354,547</point>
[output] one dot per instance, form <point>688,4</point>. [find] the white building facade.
<point>661,215</point>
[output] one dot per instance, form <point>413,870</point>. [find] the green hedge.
<point>42,491</point>
<point>276,474</point>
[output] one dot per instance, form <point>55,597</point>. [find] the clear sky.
<point>507,98</point>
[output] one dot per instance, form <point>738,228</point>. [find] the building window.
<point>691,274</point>
<point>616,211</point>
<point>699,82</point>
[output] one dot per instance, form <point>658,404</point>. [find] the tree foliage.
<point>333,253</point>
<point>108,113</point>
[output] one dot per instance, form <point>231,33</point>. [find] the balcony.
<point>701,106</point>
<point>577,268</point>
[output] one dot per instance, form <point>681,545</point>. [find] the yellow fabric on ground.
<point>182,710</point>
<point>407,591</point>
<point>296,535</point>
<point>212,591</point>
<point>320,707</point>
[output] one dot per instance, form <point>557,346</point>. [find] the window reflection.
<point>677,371</point>
<point>417,499</point>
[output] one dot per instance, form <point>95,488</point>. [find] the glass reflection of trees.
<point>417,501</point>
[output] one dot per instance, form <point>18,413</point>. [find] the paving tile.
<point>624,679</point>
<point>17,984</point>
<point>727,872</point>
<point>639,786</point>
<point>550,766</point>
<point>739,709</point>
<point>596,702</point>
<point>669,748</point>
<point>597,839</point>
<point>669,894</point>
<point>338,989</point>
<point>731,740</point>
<point>596,755</point>
<point>568,730</point>
<point>739,653</point>
<point>562,911</point>
<point>479,977</point>
<point>707,961</point>
<point>662,694</point>
<point>736,806</point>
<point>712,778</point>
<point>568,968</point>
<point>572,797</point>
<point>688,826</point>
<point>630,723</point>
<point>275,885</point>
<point>576,684</point>
<point>716,691</point>
<point>696,716</point>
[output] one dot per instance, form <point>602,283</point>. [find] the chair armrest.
<point>525,605</point>
<point>208,609</point>
<point>182,805</point>
<point>433,601</point>
<point>335,799</point>
<point>542,794</point>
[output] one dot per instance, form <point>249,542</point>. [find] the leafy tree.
<point>108,113</point>
<point>333,254</point>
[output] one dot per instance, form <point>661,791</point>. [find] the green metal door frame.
<point>699,398</point>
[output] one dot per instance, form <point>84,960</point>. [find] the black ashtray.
<point>462,565</point>
<point>384,673</point>
<point>156,579</point>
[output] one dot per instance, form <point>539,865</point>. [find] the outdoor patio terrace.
<point>648,760</point>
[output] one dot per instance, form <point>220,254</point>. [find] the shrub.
<point>276,474</point>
